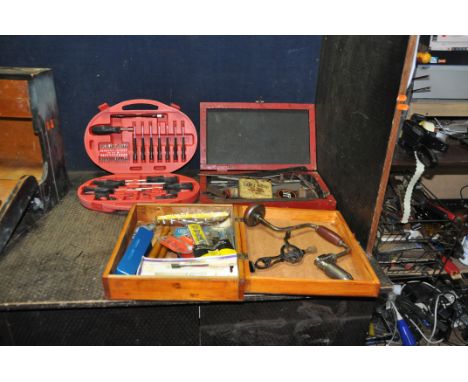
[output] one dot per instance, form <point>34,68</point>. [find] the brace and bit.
<point>255,215</point>
<point>289,253</point>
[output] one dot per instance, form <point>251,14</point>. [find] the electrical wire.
<point>461,192</point>
<point>421,282</point>
<point>424,336</point>
<point>436,309</point>
<point>394,310</point>
<point>440,294</point>
<point>430,339</point>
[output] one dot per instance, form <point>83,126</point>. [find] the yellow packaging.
<point>198,236</point>
<point>255,189</point>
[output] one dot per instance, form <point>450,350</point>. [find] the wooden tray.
<point>305,278</point>
<point>154,288</point>
<point>251,242</point>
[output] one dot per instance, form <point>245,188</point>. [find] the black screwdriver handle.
<point>109,183</point>
<point>162,179</point>
<point>94,190</point>
<point>176,148</point>
<point>184,155</point>
<point>168,150</point>
<point>135,149</point>
<point>151,150</point>
<point>107,129</point>
<point>143,155</point>
<point>159,150</point>
<point>180,186</point>
<point>145,115</point>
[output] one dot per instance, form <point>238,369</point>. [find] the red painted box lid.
<point>256,136</point>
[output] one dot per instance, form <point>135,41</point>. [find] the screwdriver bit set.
<point>161,141</point>
<point>141,142</point>
<point>115,152</point>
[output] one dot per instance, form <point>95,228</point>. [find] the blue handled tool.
<point>406,335</point>
<point>138,247</point>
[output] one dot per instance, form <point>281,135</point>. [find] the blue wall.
<point>186,70</point>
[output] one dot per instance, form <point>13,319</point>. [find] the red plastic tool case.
<point>233,134</point>
<point>115,152</point>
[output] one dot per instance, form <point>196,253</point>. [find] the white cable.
<point>396,322</point>
<point>409,190</point>
<point>420,332</point>
<point>436,308</point>
<point>420,282</point>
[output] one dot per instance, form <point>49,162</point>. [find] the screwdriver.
<point>92,190</point>
<point>111,185</point>
<point>168,149</point>
<point>162,180</point>
<point>106,129</point>
<point>144,115</point>
<point>165,230</point>
<point>178,187</point>
<point>159,149</point>
<point>184,156</point>
<point>106,188</point>
<point>143,155</point>
<point>151,148</point>
<point>99,192</point>
<point>135,149</point>
<point>110,188</point>
<point>176,155</point>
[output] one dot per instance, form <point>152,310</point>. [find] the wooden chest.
<point>256,139</point>
<point>31,149</point>
<point>252,243</point>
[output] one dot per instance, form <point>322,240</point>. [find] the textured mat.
<point>62,258</point>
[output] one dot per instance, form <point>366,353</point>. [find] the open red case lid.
<point>148,119</point>
<point>256,136</point>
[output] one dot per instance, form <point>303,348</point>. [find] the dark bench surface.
<point>59,262</point>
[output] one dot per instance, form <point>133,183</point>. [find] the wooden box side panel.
<point>316,288</point>
<point>14,99</point>
<point>20,150</point>
<point>151,288</point>
<point>122,242</point>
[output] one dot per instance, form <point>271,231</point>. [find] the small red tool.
<point>452,270</point>
<point>181,245</point>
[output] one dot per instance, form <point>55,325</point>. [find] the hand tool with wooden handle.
<point>155,251</point>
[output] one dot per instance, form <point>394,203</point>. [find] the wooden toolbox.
<point>251,243</point>
<point>258,137</point>
<point>31,148</point>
